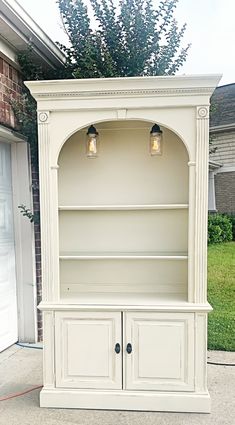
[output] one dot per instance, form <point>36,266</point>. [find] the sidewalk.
<point>20,369</point>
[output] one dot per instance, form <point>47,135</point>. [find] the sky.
<point>210,30</point>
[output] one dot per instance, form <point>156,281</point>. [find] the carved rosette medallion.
<point>203,112</point>
<point>43,117</point>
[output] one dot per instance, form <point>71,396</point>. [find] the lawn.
<point>221,295</point>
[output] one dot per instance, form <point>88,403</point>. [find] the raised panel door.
<point>162,356</point>
<point>85,350</point>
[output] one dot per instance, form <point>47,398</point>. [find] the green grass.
<point>221,295</point>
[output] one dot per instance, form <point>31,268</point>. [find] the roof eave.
<point>20,23</point>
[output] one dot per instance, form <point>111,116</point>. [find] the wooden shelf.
<point>134,299</point>
<point>122,207</point>
<point>123,256</point>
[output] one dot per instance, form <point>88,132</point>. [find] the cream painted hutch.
<point>124,243</point>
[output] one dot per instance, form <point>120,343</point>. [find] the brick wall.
<point>37,236</point>
<point>10,89</point>
<point>225,192</point>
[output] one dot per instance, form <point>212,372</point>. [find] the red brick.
<point>10,72</point>
<point>8,83</point>
<point>5,69</point>
<point>14,95</point>
<point>6,98</point>
<point>14,75</point>
<point>3,87</point>
<point>7,114</point>
<point>12,119</point>
<point>2,116</point>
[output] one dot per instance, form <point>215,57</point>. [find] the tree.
<point>25,108</point>
<point>131,39</point>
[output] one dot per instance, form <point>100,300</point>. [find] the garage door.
<point>8,301</point>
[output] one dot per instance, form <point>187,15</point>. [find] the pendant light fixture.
<point>155,140</point>
<point>91,145</point>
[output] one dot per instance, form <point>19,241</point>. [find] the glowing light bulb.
<point>92,142</point>
<point>156,140</point>
<point>92,145</point>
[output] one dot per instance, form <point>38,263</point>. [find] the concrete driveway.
<point>21,368</point>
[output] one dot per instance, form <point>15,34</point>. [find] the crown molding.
<point>124,93</point>
<point>131,87</point>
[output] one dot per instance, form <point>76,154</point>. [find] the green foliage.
<point>131,39</point>
<point>29,68</point>
<point>26,114</point>
<point>25,109</point>
<point>33,70</point>
<point>219,228</point>
<point>221,288</point>
<point>26,212</point>
<point>232,219</point>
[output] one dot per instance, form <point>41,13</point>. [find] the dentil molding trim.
<point>125,93</point>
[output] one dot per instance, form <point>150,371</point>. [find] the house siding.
<point>222,123</point>
<point>224,142</point>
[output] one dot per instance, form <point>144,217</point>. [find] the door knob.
<point>117,348</point>
<point>129,348</point>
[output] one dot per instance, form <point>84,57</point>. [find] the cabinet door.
<point>162,356</point>
<point>85,350</point>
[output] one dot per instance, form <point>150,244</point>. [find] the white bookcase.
<point>124,243</point>
<point>123,249</point>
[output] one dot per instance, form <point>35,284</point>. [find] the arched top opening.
<point>130,123</point>
<point>124,171</point>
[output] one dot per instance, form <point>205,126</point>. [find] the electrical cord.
<point>222,364</point>
<point>8,397</point>
<point>19,394</point>
<point>28,346</point>
<point>213,363</point>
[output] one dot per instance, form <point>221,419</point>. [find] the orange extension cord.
<point>19,394</point>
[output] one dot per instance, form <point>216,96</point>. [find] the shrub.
<point>232,219</point>
<point>219,228</point>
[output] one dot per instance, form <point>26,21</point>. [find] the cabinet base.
<point>126,400</point>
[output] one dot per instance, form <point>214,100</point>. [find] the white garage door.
<point>8,301</point>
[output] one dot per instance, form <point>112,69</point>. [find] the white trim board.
<point>24,244</point>
<point>126,400</point>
